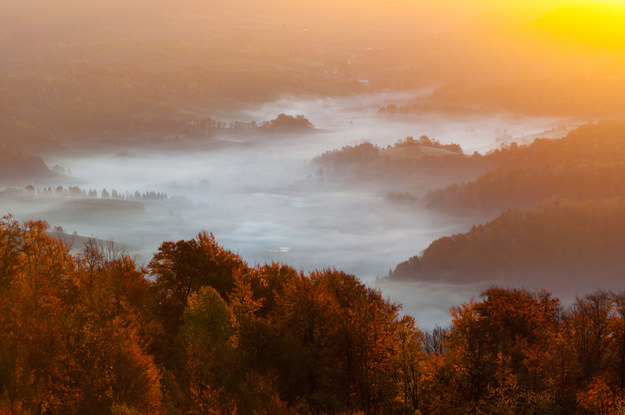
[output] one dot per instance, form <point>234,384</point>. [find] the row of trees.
<point>76,191</point>
<point>282,122</point>
<point>199,331</point>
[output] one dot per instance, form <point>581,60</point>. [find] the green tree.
<point>209,335</point>
<point>180,268</point>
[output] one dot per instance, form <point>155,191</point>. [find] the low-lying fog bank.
<point>262,199</point>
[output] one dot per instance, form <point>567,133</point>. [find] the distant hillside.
<point>17,166</point>
<point>537,96</point>
<point>589,163</point>
<point>559,242</point>
<point>409,160</point>
<point>25,137</point>
<point>77,243</point>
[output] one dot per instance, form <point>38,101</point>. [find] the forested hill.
<point>579,245</point>
<point>409,161</point>
<point>404,150</point>
<point>199,331</point>
<point>589,163</point>
<point>588,98</point>
<point>17,166</point>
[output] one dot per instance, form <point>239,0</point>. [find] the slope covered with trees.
<point>199,331</point>
<point>421,161</point>
<point>589,163</point>
<point>19,167</point>
<point>559,242</point>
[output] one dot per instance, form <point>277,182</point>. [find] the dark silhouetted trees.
<point>285,122</point>
<point>559,241</point>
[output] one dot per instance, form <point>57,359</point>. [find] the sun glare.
<point>595,24</point>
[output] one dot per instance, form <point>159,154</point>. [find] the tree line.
<point>76,191</point>
<point>282,122</point>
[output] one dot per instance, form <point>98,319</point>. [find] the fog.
<point>260,195</point>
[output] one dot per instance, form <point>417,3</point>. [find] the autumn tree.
<point>499,350</point>
<point>67,346</point>
<point>209,337</point>
<point>180,268</point>
<point>364,342</point>
<point>409,360</point>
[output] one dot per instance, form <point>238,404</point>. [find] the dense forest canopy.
<point>199,331</point>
